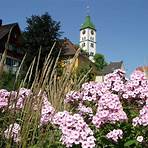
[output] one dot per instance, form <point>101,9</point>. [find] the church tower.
<point>88,37</point>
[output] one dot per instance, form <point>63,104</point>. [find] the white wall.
<point>88,38</point>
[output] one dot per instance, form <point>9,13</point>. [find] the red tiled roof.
<point>68,48</point>
<point>142,68</point>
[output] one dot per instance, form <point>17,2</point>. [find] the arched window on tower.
<point>92,38</point>
<point>83,45</point>
<point>91,45</point>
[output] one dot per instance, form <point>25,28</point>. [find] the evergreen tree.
<point>41,32</point>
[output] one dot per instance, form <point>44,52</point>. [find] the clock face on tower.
<point>92,32</point>
<point>83,32</point>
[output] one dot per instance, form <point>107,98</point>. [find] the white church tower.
<point>88,38</point>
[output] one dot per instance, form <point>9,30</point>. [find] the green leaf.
<point>130,142</point>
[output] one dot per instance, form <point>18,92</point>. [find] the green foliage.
<point>100,61</point>
<point>130,133</point>
<point>7,81</point>
<point>41,32</point>
<point>85,70</point>
<point>129,143</point>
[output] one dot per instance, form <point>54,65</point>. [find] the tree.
<point>7,81</point>
<point>41,32</point>
<point>83,70</point>
<point>100,61</point>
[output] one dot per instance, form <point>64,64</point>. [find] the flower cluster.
<point>72,97</point>
<point>137,75</point>
<point>95,103</point>
<point>74,130</point>
<point>136,87</point>
<point>47,111</point>
<point>13,99</point>
<point>16,100</point>
<point>13,131</point>
<point>143,117</point>
<point>20,97</point>
<point>115,135</point>
<point>115,81</point>
<point>102,96</point>
<point>4,96</point>
<point>83,110</point>
<point>109,110</point>
<point>89,92</point>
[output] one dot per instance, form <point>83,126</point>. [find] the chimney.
<point>0,22</point>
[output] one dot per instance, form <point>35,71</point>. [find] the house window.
<point>9,61</point>
<point>66,61</point>
<point>10,47</point>
<point>12,62</point>
<point>91,45</point>
<point>16,63</point>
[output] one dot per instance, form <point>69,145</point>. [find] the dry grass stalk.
<point>56,88</point>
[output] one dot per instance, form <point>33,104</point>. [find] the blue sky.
<point>122,25</point>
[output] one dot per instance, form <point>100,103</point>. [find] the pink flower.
<point>143,117</point>
<point>74,129</point>
<point>4,96</point>
<point>13,132</point>
<point>47,111</point>
<point>115,135</point>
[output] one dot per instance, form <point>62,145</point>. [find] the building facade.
<point>109,69</point>
<point>11,40</point>
<point>68,53</point>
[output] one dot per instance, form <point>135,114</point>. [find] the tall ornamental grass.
<point>23,106</point>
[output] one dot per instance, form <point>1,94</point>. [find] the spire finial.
<point>88,10</point>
